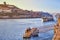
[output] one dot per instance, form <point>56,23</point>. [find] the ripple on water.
<point>14,29</point>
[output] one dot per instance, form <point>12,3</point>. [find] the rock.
<point>57,31</point>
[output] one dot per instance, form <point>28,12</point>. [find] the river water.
<point>13,29</point>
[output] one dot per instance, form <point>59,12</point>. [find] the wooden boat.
<point>31,33</point>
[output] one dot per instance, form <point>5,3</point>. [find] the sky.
<point>36,5</point>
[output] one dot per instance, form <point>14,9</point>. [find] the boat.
<point>31,32</point>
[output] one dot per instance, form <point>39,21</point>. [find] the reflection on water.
<point>13,29</point>
<point>26,38</point>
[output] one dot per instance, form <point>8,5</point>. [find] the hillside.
<point>11,11</point>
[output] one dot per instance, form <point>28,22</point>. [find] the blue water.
<point>13,29</point>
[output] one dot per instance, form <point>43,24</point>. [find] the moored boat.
<point>31,33</point>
